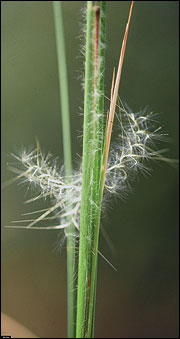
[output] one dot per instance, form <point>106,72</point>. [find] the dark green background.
<point>141,299</point>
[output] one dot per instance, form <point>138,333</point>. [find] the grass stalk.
<point>97,198</point>
<point>91,167</point>
<point>65,113</point>
<point>86,182</point>
<point>95,156</point>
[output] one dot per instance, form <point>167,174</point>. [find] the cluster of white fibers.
<point>133,148</point>
<point>49,182</point>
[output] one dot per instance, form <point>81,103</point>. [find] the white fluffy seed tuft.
<point>130,154</point>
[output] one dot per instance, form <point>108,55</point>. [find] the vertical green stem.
<point>86,182</point>
<point>64,102</point>
<point>91,167</point>
<point>95,221</point>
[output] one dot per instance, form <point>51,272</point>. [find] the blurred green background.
<point>140,300</point>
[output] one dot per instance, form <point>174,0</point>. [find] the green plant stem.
<point>96,186</point>
<point>91,168</point>
<point>86,183</point>
<point>64,101</point>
